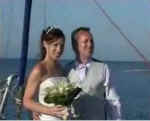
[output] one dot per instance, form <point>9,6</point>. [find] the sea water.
<point>131,80</point>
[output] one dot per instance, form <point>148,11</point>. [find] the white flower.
<point>61,90</point>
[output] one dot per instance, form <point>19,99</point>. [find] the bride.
<point>45,73</point>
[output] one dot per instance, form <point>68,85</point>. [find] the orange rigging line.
<point>146,61</point>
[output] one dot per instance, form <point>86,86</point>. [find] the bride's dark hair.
<point>50,35</point>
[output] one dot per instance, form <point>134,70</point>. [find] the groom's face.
<point>85,47</point>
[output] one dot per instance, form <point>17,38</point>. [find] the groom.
<point>100,100</point>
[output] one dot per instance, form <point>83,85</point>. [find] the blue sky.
<point>132,16</point>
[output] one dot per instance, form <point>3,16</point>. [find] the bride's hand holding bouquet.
<point>61,96</point>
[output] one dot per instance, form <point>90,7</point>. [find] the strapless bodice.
<point>49,82</point>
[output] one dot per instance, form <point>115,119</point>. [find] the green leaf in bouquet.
<point>48,99</point>
<point>60,100</point>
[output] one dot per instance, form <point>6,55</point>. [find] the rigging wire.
<point>45,13</point>
<point>146,61</point>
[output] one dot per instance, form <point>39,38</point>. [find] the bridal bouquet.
<point>63,93</point>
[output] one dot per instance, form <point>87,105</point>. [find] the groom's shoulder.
<point>100,62</point>
<point>68,66</point>
<point>97,60</point>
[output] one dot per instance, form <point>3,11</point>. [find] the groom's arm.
<point>113,105</point>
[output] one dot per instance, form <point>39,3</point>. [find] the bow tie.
<point>81,66</point>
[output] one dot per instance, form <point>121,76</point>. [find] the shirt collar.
<point>79,65</point>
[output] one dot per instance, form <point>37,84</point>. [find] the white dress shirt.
<point>113,106</point>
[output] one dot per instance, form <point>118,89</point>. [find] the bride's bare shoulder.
<point>38,70</point>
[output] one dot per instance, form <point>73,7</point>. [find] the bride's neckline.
<point>53,77</point>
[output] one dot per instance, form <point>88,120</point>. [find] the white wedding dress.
<point>49,82</point>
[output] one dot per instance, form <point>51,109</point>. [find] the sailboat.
<point>19,78</point>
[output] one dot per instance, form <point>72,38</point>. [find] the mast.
<point>25,39</point>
